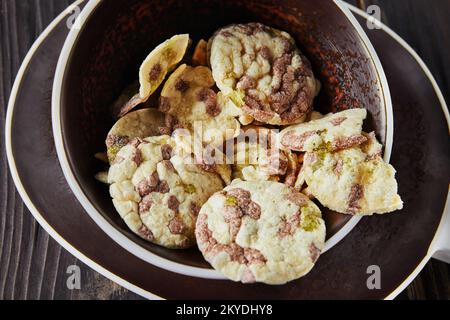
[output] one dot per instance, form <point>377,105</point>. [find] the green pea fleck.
<point>113,151</point>
<point>321,155</point>
<point>231,201</point>
<point>238,98</point>
<point>189,188</point>
<point>325,146</point>
<point>310,220</point>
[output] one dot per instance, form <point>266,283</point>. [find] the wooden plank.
<point>32,265</point>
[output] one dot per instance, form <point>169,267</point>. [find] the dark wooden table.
<point>33,266</point>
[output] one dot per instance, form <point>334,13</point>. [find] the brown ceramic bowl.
<point>102,57</point>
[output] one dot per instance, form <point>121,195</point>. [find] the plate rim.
<point>97,267</point>
<point>18,183</point>
<point>446,213</point>
<point>127,243</point>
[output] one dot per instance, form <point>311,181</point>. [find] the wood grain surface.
<point>33,266</point>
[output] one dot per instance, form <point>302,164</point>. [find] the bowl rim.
<point>116,235</point>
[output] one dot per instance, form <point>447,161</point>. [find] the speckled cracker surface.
<point>263,71</point>
<point>138,124</point>
<point>333,132</point>
<point>260,232</point>
<point>155,68</point>
<point>190,101</point>
<point>159,62</point>
<point>353,181</point>
<point>255,162</point>
<point>157,193</point>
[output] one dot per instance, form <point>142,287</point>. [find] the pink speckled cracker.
<point>260,232</point>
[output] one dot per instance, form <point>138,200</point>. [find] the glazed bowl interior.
<point>118,35</point>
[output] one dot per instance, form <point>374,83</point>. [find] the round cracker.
<point>138,124</point>
<point>190,101</point>
<point>158,192</point>
<point>260,232</point>
<point>263,71</point>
